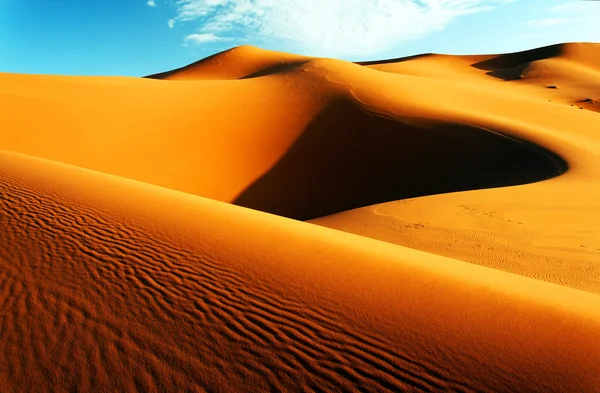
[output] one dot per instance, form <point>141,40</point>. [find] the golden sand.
<point>472,180</point>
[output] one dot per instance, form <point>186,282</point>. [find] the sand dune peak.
<point>151,235</point>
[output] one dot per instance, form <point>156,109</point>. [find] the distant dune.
<point>121,269</point>
<point>241,62</point>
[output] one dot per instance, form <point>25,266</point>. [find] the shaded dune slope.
<point>514,65</point>
<point>511,66</point>
<point>544,64</point>
<point>547,230</point>
<point>348,158</point>
<point>295,136</point>
<point>210,138</point>
<point>182,299</point>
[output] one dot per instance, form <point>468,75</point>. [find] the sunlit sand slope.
<point>548,230</point>
<point>301,138</point>
<point>112,285</point>
<point>237,63</point>
<point>210,138</point>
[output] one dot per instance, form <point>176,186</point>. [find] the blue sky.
<point>140,37</point>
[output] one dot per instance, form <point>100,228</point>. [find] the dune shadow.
<point>512,65</point>
<point>191,66</point>
<point>396,60</point>
<point>275,69</point>
<point>348,158</point>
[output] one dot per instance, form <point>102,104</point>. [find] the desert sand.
<point>152,234</point>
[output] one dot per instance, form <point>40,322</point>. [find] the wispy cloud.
<point>584,17</point>
<point>329,28</point>
<point>531,35</point>
<point>581,5</point>
<point>201,38</point>
<point>151,3</point>
<point>540,23</point>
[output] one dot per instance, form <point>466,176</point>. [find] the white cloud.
<point>583,21</point>
<point>326,27</point>
<point>576,6</point>
<point>540,23</point>
<point>201,38</point>
<point>531,35</point>
<point>171,23</point>
<point>151,3</point>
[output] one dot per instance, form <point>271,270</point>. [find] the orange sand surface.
<point>473,182</point>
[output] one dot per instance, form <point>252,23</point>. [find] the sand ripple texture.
<point>118,273</point>
<point>111,285</point>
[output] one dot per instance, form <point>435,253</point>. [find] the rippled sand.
<point>129,260</point>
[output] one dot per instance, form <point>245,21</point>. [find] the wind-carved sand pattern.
<point>148,315</point>
<point>124,277</point>
<point>100,294</point>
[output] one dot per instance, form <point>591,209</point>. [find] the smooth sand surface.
<point>122,269</point>
<point>548,230</point>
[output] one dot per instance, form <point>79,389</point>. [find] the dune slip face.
<point>104,289</point>
<point>290,135</point>
<point>548,230</point>
<point>149,238</point>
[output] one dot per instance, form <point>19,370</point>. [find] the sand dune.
<point>327,137</point>
<point>236,63</point>
<point>102,290</point>
<point>122,269</point>
<point>548,230</point>
<point>211,139</point>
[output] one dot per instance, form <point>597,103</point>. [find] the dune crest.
<point>549,230</point>
<point>122,269</point>
<point>317,136</point>
<point>240,62</point>
<point>173,299</point>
